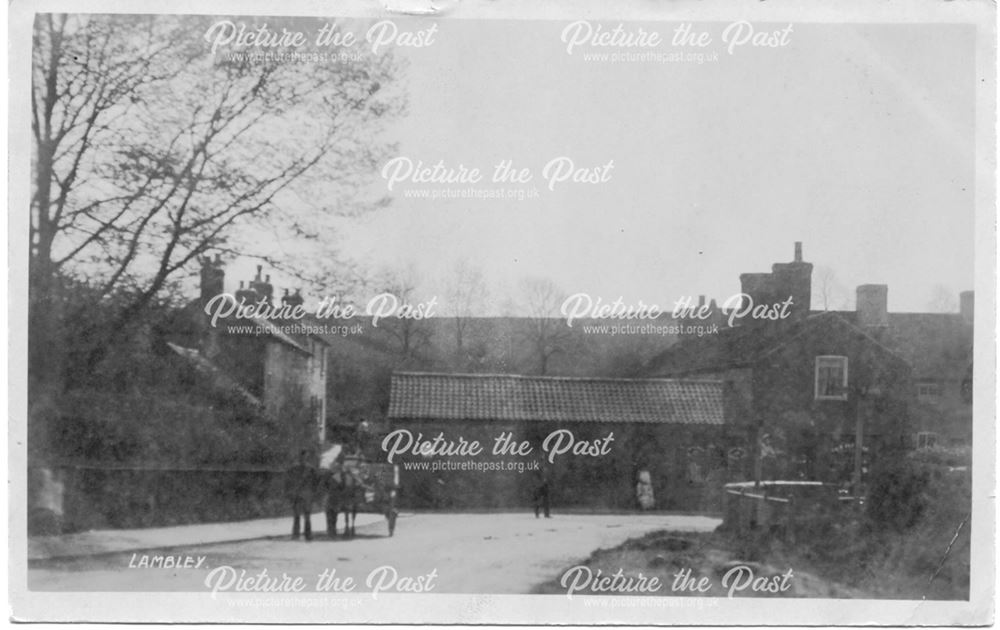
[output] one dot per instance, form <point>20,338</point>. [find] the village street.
<point>451,553</point>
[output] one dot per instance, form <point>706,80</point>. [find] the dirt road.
<point>450,553</point>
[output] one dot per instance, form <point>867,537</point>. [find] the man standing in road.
<point>300,485</point>
<point>543,482</point>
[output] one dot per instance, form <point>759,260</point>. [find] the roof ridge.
<point>464,397</point>
<point>540,377</point>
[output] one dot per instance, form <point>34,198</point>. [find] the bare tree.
<point>465,293</point>
<point>411,334</point>
<point>546,333</point>
<point>828,292</point>
<point>149,151</point>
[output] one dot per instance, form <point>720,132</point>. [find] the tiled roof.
<point>263,326</point>
<point>504,397</point>
<point>745,345</point>
<point>217,375</point>
<point>937,345</point>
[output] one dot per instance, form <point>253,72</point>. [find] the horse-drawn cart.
<point>352,484</point>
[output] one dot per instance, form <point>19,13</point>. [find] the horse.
<point>344,493</point>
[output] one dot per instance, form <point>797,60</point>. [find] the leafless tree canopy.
<point>149,151</point>
<point>410,335</point>
<point>828,292</point>
<point>465,293</point>
<point>548,334</point>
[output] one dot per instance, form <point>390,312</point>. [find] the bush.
<point>897,496</point>
<point>943,456</point>
<point>164,456</point>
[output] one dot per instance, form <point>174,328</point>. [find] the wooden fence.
<point>783,508</point>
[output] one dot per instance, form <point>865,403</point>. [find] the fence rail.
<point>782,507</point>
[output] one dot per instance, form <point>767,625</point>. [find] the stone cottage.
<point>277,365</point>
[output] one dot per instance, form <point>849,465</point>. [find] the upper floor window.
<point>928,391</point>
<point>831,378</point>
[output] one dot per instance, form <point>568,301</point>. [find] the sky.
<point>857,140</point>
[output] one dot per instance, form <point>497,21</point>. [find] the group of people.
<point>303,483</point>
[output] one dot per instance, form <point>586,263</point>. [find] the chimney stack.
<point>262,285</point>
<point>786,280</point>
<point>213,278</point>
<point>246,294</point>
<point>967,305</point>
<point>793,279</point>
<point>267,289</point>
<point>873,305</point>
<point>293,300</point>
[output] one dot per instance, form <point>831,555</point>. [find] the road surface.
<point>451,553</point>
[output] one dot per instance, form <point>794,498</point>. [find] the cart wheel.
<point>392,522</point>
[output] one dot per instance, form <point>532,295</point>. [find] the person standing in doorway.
<point>300,486</point>
<point>644,490</point>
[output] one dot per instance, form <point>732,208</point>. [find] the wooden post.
<point>859,433</point>
<point>744,514</point>
<point>789,519</point>
<point>758,455</point>
<point>764,511</point>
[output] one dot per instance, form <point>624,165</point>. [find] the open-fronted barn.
<point>591,437</point>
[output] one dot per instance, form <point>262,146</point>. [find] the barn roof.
<point>507,397</point>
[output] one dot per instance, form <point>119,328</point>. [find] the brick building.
<point>810,387</point>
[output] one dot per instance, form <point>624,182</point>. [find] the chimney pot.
<point>798,251</point>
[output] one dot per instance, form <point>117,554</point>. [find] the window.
<point>831,378</point>
<point>928,391</point>
<point>926,439</point>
